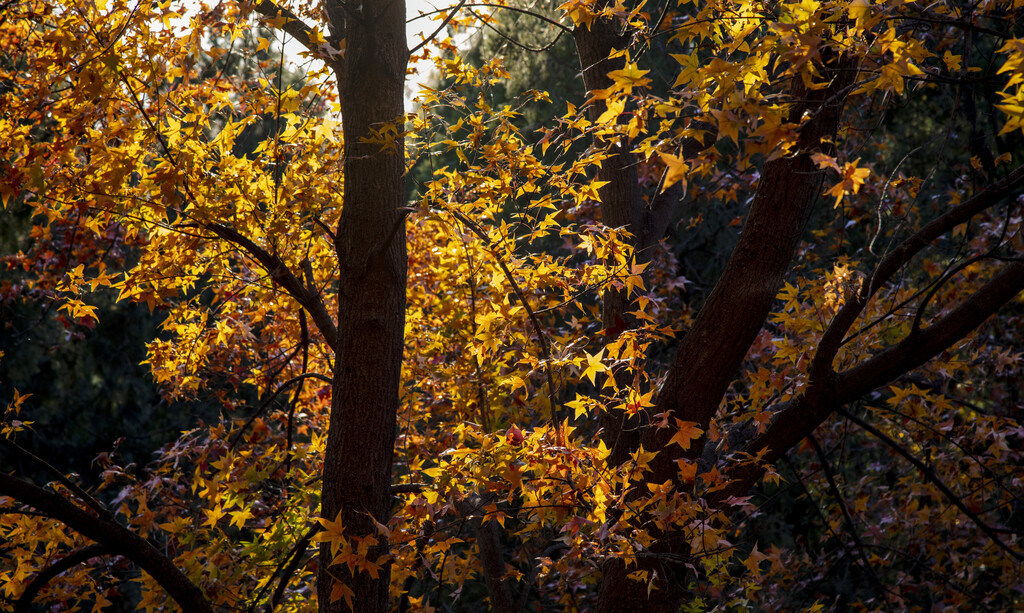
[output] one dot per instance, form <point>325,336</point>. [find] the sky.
<point>424,25</point>
<point>414,29</point>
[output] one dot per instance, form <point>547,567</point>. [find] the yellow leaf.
<point>79,309</point>
<point>615,108</point>
<point>333,533</point>
<point>594,366</point>
<point>579,405</point>
<point>675,170</point>
<point>213,516</point>
<point>100,602</point>
<point>642,459</point>
<point>339,590</point>
<point>277,21</point>
<point>629,77</point>
<point>859,11</point>
<point>753,561</point>
<point>952,61</point>
<point>238,518</point>
<point>687,471</point>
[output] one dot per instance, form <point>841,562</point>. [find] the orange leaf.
<point>687,431</point>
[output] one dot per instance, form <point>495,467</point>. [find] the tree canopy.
<point>740,328</point>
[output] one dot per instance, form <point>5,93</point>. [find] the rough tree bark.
<point>371,249</point>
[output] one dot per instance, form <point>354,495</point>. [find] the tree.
<point>535,413</point>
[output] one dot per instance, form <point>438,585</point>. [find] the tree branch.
<point>714,348</point>
<point>834,335</point>
<point>117,538</point>
<point>84,496</point>
<point>542,340</point>
<point>293,564</point>
<point>284,277</point>
<point>799,417</point>
<point>277,392</point>
<point>448,18</point>
<point>408,488</point>
<point>851,527</point>
<point>922,345</point>
<point>293,25</point>
<point>24,602</point>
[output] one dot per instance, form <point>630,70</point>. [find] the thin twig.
<point>541,338</point>
<point>931,476</point>
<point>266,403</point>
<point>84,496</point>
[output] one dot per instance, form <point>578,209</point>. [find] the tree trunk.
<point>371,252</point>
<point>622,206</point>
<point>712,351</point>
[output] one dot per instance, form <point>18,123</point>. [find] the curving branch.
<point>799,417</point>
<point>922,345</point>
<point>277,392</point>
<point>84,496</point>
<point>24,602</point>
<point>293,25</point>
<point>283,276</point>
<point>117,538</point>
<point>562,27</point>
<point>274,265</point>
<point>542,339</point>
<point>444,24</point>
<point>835,335</point>
<point>487,24</point>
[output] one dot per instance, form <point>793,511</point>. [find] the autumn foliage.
<point>458,359</point>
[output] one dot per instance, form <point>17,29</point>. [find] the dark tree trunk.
<point>712,351</point>
<point>371,297</point>
<point>622,206</point>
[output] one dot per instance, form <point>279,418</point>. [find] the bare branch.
<point>851,528</point>
<point>24,602</point>
<point>277,392</point>
<point>542,340</point>
<point>298,552</point>
<point>444,24</point>
<point>287,566</point>
<point>408,488</point>
<point>84,496</point>
<point>565,29</point>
